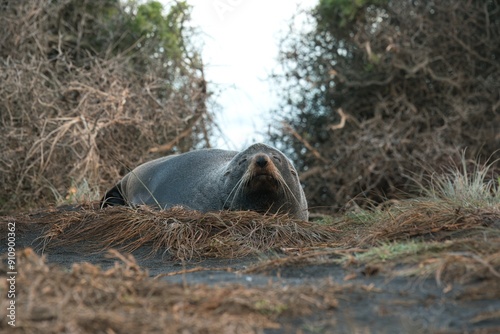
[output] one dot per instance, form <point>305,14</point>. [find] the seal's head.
<point>261,178</point>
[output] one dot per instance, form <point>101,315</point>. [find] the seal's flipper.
<point>113,196</point>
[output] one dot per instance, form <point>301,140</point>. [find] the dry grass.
<point>452,248</point>
<point>185,234</point>
<point>428,237</point>
<point>88,299</point>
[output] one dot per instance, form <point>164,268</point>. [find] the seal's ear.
<point>113,197</point>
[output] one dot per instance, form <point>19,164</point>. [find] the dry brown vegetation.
<point>430,238</point>
<point>184,234</point>
<point>124,299</point>
<point>416,226</point>
<point>83,99</point>
<point>440,224</point>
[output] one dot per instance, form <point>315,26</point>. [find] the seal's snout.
<point>262,174</point>
<point>261,160</point>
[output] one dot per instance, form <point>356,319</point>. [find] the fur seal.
<point>260,178</point>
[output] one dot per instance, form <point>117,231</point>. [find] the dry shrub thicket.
<point>379,89</point>
<point>85,95</point>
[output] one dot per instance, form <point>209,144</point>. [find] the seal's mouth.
<point>263,181</point>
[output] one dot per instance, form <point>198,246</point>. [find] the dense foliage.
<point>377,89</point>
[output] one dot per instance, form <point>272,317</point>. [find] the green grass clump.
<point>476,188</point>
<point>400,251</point>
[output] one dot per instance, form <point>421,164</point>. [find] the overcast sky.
<point>240,47</point>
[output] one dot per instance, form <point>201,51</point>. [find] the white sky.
<point>240,48</point>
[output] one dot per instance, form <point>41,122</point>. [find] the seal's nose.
<point>261,160</point>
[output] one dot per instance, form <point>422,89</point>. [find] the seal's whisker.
<point>236,187</point>
<point>242,182</point>
<point>285,188</point>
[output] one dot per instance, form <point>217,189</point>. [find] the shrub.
<point>376,89</point>
<point>89,89</point>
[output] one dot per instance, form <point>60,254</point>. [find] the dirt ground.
<point>322,287</point>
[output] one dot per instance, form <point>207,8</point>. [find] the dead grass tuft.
<point>185,234</point>
<point>430,220</point>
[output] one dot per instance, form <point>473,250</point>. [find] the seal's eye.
<point>275,157</point>
<point>242,161</point>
